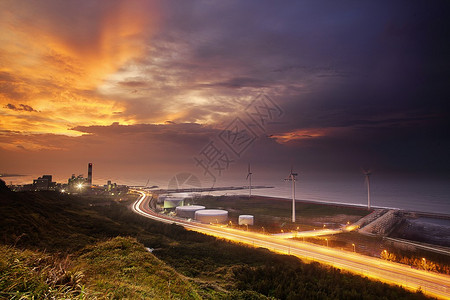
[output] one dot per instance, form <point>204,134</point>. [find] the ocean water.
<point>415,194</point>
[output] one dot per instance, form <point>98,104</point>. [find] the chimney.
<point>89,174</point>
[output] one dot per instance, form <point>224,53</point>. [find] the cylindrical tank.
<point>172,202</point>
<point>188,211</point>
<point>211,216</point>
<point>246,220</point>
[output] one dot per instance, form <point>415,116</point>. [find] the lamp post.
<point>354,247</point>
<point>327,241</point>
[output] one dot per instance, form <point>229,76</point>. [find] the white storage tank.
<point>211,216</point>
<point>188,211</point>
<point>172,202</point>
<point>246,220</point>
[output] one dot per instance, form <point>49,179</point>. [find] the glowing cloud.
<point>55,54</point>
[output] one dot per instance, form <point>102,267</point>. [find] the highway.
<point>433,284</point>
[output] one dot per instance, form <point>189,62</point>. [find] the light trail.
<point>430,283</point>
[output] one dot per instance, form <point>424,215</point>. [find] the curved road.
<point>431,283</point>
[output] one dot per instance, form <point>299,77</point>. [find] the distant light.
<point>62,191</point>
<point>80,185</point>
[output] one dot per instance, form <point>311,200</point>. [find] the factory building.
<point>75,184</point>
<point>43,183</point>
<point>173,202</point>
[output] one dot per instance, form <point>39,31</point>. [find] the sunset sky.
<point>139,88</point>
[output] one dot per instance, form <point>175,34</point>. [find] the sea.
<point>410,193</point>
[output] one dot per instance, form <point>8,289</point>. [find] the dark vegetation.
<point>419,259</point>
<point>69,245</point>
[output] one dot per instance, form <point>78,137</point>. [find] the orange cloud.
<point>55,54</point>
<point>300,134</point>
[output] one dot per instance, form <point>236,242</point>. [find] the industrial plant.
<point>76,184</point>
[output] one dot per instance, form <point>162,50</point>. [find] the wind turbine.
<point>291,177</point>
<point>367,173</point>
<point>249,177</point>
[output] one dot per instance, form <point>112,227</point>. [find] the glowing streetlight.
<point>354,247</point>
<point>327,241</point>
<point>79,186</point>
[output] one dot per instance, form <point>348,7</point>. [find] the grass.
<point>123,268</point>
<point>28,274</point>
<point>115,269</point>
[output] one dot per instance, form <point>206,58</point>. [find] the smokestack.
<point>89,174</point>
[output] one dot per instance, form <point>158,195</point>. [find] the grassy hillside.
<point>28,274</point>
<point>79,235</point>
<point>123,268</point>
<point>115,269</point>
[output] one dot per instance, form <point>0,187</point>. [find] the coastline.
<point>345,204</point>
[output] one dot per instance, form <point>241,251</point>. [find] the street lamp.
<point>263,230</point>
<point>354,247</point>
<point>327,241</point>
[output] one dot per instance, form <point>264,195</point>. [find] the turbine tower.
<point>367,173</point>
<point>249,177</point>
<point>291,177</point>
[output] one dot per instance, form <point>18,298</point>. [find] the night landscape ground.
<point>76,253</point>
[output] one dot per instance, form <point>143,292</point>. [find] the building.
<point>43,183</point>
<point>75,184</point>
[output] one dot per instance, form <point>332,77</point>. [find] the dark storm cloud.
<point>377,70</point>
<point>181,134</point>
<point>20,107</point>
